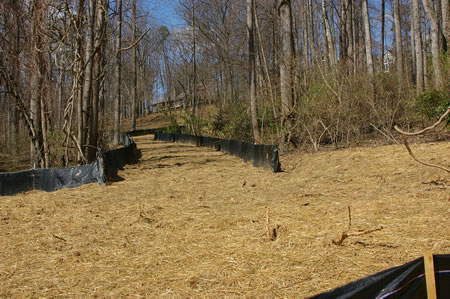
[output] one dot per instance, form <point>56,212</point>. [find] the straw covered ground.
<point>192,222</point>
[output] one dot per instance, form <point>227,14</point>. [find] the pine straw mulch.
<point>191,222</point>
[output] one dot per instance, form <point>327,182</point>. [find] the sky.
<point>164,12</point>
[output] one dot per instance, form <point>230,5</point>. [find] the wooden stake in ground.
<point>349,218</point>
<point>429,274</point>
<point>271,234</point>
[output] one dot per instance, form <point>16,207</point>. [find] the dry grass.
<point>191,222</point>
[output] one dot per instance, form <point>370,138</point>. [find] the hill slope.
<point>189,221</point>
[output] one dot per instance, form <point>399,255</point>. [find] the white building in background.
<point>388,61</point>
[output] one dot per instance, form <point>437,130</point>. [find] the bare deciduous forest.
<point>310,76</point>
<point>295,73</point>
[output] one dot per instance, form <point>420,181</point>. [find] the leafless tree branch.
<point>405,141</point>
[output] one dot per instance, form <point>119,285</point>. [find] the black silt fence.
<point>16,182</point>
<point>52,179</point>
<point>116,159</point>
<point>188,139</point>
<point>405,281</point>
<point>141,132</point>
<point>261,155</point>
<point>167,137</point>
<point>210,142</point>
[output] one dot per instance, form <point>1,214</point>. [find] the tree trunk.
<point>194,68</point>
<point>134,67</point>
<point>118,74</point>
<point>311,35</point>
<point>333,32</point>
<point>426,42</point>
<point>413,45</point>
<point>383,30</point>
<point>14,122</point>
<point>354,34</point>
<point>77,85</point>
<point>275,42</point>
<point>343,44</point>
<point>284,9</point>
<point>87,86</point>
<point>44,127</point>
<point>328,34</point>
<point>60,87</point>
<point>97,77</point>
<point>265,66</point>
<point>326,47</point>
<point>305,37</point>
<point>418,46</point>
<point>368,39</point>
<point>398,42</point>
<point>349,34</point>
<point>37,79</point>
<point>368,46</point>
<point>445,23</point>
<point>434,23</point>
<point>252,69</point>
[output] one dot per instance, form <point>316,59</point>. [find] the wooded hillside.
<point>293,72</point>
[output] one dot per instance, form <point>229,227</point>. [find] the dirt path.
<point>191,222</point>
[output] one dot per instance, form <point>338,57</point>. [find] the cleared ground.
<point>192,222</point>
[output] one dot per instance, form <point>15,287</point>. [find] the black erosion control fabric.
<point>406,281</point>
<point>53,179</point>
<point>261,155</point>
<point>50,179</point>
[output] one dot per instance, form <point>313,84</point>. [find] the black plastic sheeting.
<point>50,179</point>
<point>405,281</point>
<point>261,155</point>
<point>141,132</point>
<point>116,159</point>
<point>53,179</point>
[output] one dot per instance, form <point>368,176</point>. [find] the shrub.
<point>432,104</point>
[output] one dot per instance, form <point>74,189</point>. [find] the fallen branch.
<point>59,238</point>
<point>346,235</point>
<point>426,129</point>
<point>405,141</point>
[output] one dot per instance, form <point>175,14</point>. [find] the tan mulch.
<point>192,222</point>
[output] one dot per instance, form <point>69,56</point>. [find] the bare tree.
<point>98,74</point>
<point>118,73</point>
<point>252,68</point>
<point>418,46</point>
<point>134,67</point>
<point>286,63</point>
<point>349,12</point>
<point>383,31</point>
<point>398,42</point>
<point>328,34</point>
<point>413,45</point>
<point>88,77</point>
<point>194,66</point>
<point>38,75</point>
<point>445,22</point>
<point>368,43</point>
<point>434,23</point>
